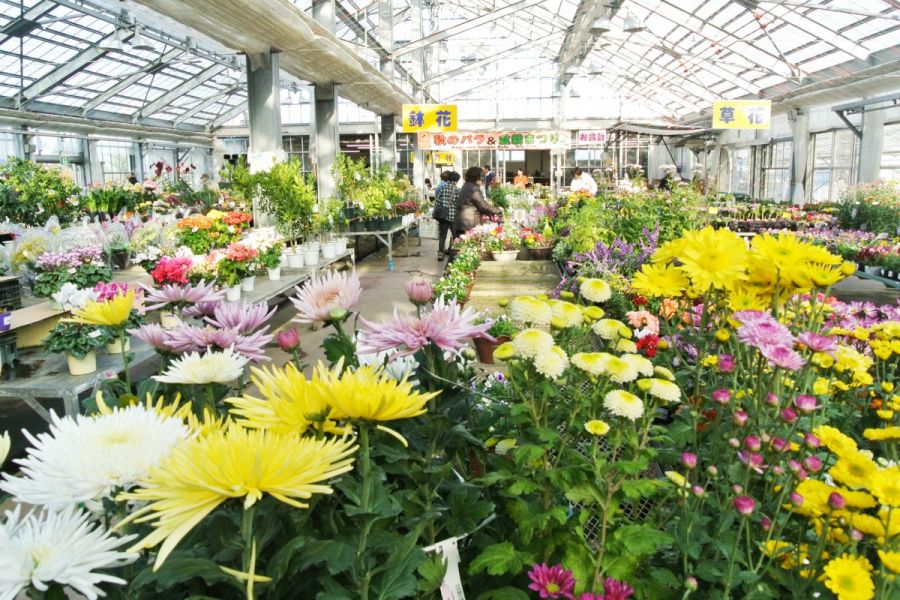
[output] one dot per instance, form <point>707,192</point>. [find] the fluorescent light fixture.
<point>113,43</point>
<point>139,42</point>
<point>601,25</point>
<point>633,24</point>
<point>573,70</point>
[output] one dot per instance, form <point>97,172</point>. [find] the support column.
<point>799,123</point>
<point>388,141</point>
<point>388,148</point>
<point>417,70</point>
<point>326,142</point>
<point>264,109</point>
<point>871,146</point>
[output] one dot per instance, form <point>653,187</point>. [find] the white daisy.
<point>531,342</point>
<point>85,459</point>
<point>551,363</point>
<point>212,367</point>
<point>58,547</point>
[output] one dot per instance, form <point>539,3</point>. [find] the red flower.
<point>648,345</point>
<point>171,270</point>
<point>639,301</point>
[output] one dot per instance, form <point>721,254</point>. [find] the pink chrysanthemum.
<point>552,582</point>
<point>240,316</point>
<point>818,343</point>
<point>153,335</point>
<point>187,338</point>
<point>321,295</point>
<point>782,356</point>
<point>177,296</point>
<point>613,589</point>
<point>445,326</point>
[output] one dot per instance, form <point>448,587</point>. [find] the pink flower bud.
<point>739,418</point>
<point>836,501</point>
<point>726,363</point>
<point>722,396</point>
<point>781,444</point>
<point>688,460</point>
<point>712,470</point>
<point>812,441</point>
<point>737,488</point>
<point>778,470</point>
<point>734,442</point>
<point>691,583</point>
<point>794,466</point>
<point>788,414</point>
<point>752,443</point>
<point>802,474</point>
<point>772,399</point>
<point>419,291</point>
<point>856,534</point>
<point>796,499</point>
<point>765,523</point>
<point>744,505</point>
<point>288,339</point>
<point>805,404</point>
<point>813,463</point>
<point>697,490</point>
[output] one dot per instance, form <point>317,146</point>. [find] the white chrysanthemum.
<point>85,459</point>
<point>212,367</point>
<point>58,547</point>
<point>593,363</point>
<point>620,370</point>
<point>396,366</point>
<point>531,342</point>
<point>5,443</point>
<point>611,329</point>
<point>551,363</point>
<point>568,314</point>
<point>660,388</point>
<point>624,404</point>
<point>525,309</point>
<point>595,290</point>
<point>642,364</point>
<point>624,345</point>
<point>664,373</point>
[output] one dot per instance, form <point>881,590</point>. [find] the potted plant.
<point>117,245</point>
<point>237,267</point>
<point>538,244</point>
<point>79,343</point>
<point>467,260</point>
<point>270,258</point>
<point>502,330</point>
<point>289,195</point>
<point>504,245</point>
<point>456,285</point>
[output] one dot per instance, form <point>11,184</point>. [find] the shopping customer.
<point>446,198</point>
<point>472,206</point>
<point>583,182</point>
<point>520,181</point>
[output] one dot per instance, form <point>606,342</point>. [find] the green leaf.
<point>522,486</point>
<point>666,578</point>
<point>708,571</point>
<point>584,494</point>
<point>398,580</point>
<point>178,569</point>
<point>643,539</point>
<point>500,559</point>
<point>338,556</point>
<point>635,489</point>
<point>431,574</point>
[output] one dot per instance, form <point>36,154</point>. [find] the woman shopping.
<point>472,205</point>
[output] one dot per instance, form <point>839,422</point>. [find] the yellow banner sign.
<point>742,114</point>
<point>443,158</point>
<point>429,117</point>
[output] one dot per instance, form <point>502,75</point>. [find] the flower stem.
<point>122,341</point>
<point>362,574</point>
<point>249,542</point>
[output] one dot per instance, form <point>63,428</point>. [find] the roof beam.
<point>67,69</point>
<point>810,26</point>
<point>891,15</point>
<point>491,59</point>
<point>579,40</point>
<point>32,14</point>
<point>509,74</point>
<point>204,104</point>
<point>484,19</point>
<point>176,92</point>
<point>228,115</point>
<point>131,79</point>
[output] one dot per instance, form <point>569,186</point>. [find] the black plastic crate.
<point>10,293</point>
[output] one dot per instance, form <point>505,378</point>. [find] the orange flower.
<point>198,221</point>
<point>669,308</point>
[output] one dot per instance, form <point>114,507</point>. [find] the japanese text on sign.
<point>495,140</point>
<point>742,114</point>
<point>591,138</point>
<point>429,117</point>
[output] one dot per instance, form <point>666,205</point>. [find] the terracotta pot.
<point>485,348</point>
<point>82,366</point>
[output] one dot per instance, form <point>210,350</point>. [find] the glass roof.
<point>497,59</point>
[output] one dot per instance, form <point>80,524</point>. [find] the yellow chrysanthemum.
<point>660,388</point>
<point>862,522</point>
<point>505,351</point>
<point>567,314</point>
<point>593,363</point>
<point>659,280</point>
<point>744,298</point>
<point>677,478</point>
<point>368,394</point>
<point>664,373</point>
<point>642,364</point>
<point>887,434</point>
<point>611,330</point>
<point>531,342</point>
<point>890,560</point>
<point>594,313</point>
<point>289,402</point>
<point>525,309</point>
<point>204,472</point>
<point>668,251</point>
<point>597,427</point>
<point>109,313</point>
<point>623,345</point>
<point>551,363</point>
<point>595,290</point>
<point>834,439</point>
<point>853,469</point>
<point>885,485</point>
<point>815,495</point>
<point>620,370</point>
<point>624,404</point>
<point>714,258</point>
<point>849,577</point>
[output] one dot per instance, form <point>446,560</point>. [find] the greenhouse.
<point>448,299</point>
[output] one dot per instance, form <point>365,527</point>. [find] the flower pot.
<point>328,250</point>
<point>115,346</point>
<point>311,257</point>
<point>340,246</point>
<point>274,274</point>
<point>233,294</point>
<point>373,225</point>
<point>82,366</point>
<point>393,222</point>
<point>871,269</point>
<point>539,253</point>
<point>357,226</point>
<point>485,349</point>
<point>505,255</point>
<point>314,246</point>
<point>248,283</point>
<point>295,260</point>
<point>169,320</point>
<point>120,260</point>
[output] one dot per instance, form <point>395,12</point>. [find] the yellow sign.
<point>443,158</point>
<point>742,114</point>
<point>429,117</point>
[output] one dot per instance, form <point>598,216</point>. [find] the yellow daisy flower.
<point>849,577</point>
<point>597,427</point>
<point>109,313</point>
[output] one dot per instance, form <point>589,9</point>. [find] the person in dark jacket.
<point>445,202</point>
<point>471,205</point>
<point>489,177</point>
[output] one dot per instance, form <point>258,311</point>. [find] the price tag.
<point>451,587</point>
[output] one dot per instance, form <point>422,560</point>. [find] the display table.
<point>387,237</point>
<point>891,283</point>
<point>266,290</point>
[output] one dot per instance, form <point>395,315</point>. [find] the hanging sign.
<point>495,140</point>
<point>429,117</point>
<point>443,158</point>
<point>591,137</point>
<point>742,114</point>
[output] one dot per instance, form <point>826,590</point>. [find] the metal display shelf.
<point>386,237</point>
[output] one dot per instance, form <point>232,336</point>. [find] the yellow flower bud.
<point>722,335</point>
